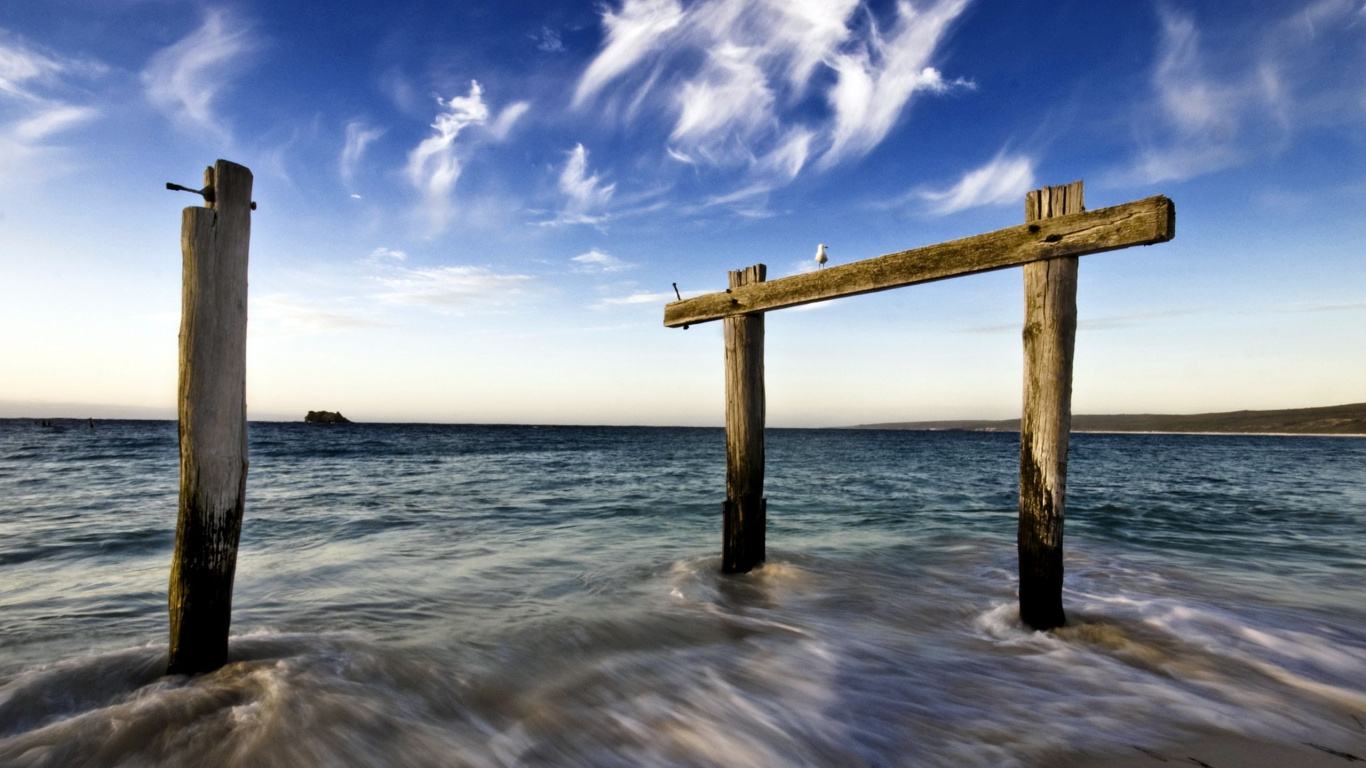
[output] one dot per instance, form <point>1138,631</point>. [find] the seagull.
<point>820,256</point>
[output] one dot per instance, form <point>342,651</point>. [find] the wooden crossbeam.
<point>1142,222</point>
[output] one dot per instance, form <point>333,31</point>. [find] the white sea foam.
<point>554,599</point>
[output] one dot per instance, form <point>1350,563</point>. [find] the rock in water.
<point>326,417</point>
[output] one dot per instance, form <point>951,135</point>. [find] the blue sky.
<point>474,211</point>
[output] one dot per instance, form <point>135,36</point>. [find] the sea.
<point>456,595</point>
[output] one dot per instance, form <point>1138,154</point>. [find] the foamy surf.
<point>498,613</point>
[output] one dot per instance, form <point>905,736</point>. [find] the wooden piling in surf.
<point>1050,329</point>
<point>213,425</point>
<point>1058,229</point>
<point>744,511</point>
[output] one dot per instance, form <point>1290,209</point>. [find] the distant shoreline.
<point>1345,420</point>
<point>1110,432</point>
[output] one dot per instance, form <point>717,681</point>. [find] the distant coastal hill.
<point>1330,420</point>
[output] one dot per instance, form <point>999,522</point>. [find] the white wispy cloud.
<point>359,135</point>
<point>386,255</point>
<point>454,289</point>
<point>37,103</point>
<point>877,79</point>
<point>50,119</point>
<point>507,119</point>
<point>549,41</point>
<point>185,79</point>
<point>435,165</point>
<point>586,194</point>
<point>633,33</point>
<point>736,75</point>
<point>641,298</point>
<point>22,67</point>
<point>775,169</point>
<point>1201,116</point>
<point>292,314</point>
<point>634,298</point>
<point>597,261</point>
<point>1003,181</point>
<point>1263,87</point>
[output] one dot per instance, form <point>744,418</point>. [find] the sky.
<point>475,211</point>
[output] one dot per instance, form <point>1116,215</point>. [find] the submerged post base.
<point>743,522</point>
<point>1041,586</point>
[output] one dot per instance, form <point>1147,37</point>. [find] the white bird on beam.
<point>820,256</point>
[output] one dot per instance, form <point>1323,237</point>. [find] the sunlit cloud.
<point>22,68</point>
<point>1003,181</point>
<point>454,289</point>
<point>185,79</point>
<point>36,105</point>
<point>1257,96</point>
<point>53,118</point>
<point>637,298</point>
<point>586,196</point>
<point>284,312</point>
<point>549,41</point>
<point>435,165</point>
<point>386,255</point>
<point>736,77</point>
<point>775,169</point>
<point>876,80</point>
<point>1202,115</point>
<point>508,119</point>
<point>358,137</point>
<point>640,298</point>
<point>634,32</point>
<point>597,261</point>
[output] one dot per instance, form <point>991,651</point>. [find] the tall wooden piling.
<point>213,424</point>
<point>1050,329</point>
<point>744,511</point>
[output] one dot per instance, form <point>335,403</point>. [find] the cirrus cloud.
<point>185,79</point>
<point>597,261</point>
<point>435,165</point>
<point>743,81</point>
<point>456,289</point>
<point>1003,181</point>
<point>1225,104</point>
<point>37,102</point>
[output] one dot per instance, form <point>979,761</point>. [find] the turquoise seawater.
<point>433,595</point>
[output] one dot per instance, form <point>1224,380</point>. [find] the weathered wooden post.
<point>213,418</point>
<point>1050,330</point>
<point>1057,230</point>
<point>744,511</point>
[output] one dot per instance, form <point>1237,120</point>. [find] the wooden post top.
<point>1048,202</point>
<point>756,273</point>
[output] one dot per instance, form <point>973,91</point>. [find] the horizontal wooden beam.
<point>1142,222</point>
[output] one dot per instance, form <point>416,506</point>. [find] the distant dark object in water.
<point>326,417</point>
